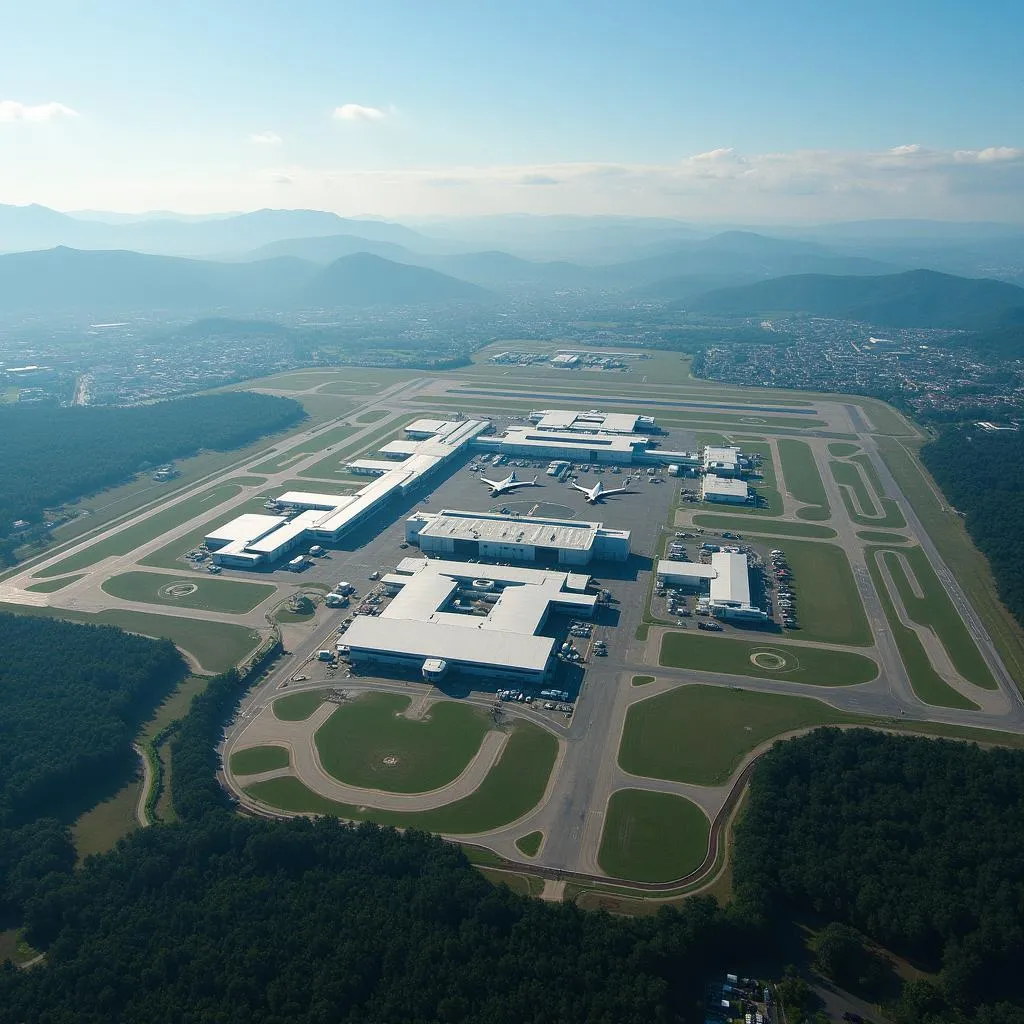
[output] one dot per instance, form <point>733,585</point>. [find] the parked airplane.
<point>598,493</point>
<point>510,483</point>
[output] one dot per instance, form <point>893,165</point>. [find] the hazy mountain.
<point>917,298</point>
<point>328,248</point>
<point>366,280</point>
<point>36,227</point>
<point>688,286</point>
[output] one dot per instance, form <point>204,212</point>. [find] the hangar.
<point>444,618</point>
<point>727,579</point>
<point>724,489</point>
<point>593,422</point>
<point>454,534</point>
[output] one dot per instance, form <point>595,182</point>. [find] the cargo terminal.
<point>442,619</point>
<point>455,534</point>
<point>727,579</point>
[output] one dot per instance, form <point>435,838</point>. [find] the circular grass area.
<point>652,837</point>
<point>254,760</point>
<point>369,743</point>
<point>177,590</point>
<point>775,661</point>
<point>297,707</point>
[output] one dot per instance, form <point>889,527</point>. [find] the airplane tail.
<point>535,479</point>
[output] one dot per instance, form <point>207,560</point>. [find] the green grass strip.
<point>254,760</point>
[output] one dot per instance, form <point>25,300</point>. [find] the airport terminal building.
<point>443,618</point>
<point>463,535</point>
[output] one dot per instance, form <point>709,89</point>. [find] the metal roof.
<point>244,528</point>
<point>725,486</point>
<point>685,570</point>
<point>314,499</point>
<point>569,534</point>
<point>732,585</point>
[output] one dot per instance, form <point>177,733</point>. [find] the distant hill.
<point>25,228</point>
<point>917,298</point>
<point>366,280</point>
<point>62,281</point>
<point>326,249</point>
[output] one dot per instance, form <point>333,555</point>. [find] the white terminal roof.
<point>685,570</point>
<point>314,499</point>
<point>592,421</point>
<point>372,465</point>
<point>531,437</point>
<point>400,447</point>
<point>417,623</point>
<point>569,534</point>
<point>731,585</point>
<point>426,426</point>
<point>244,528</point>
<point>725,486</point>
<point>724,457</point>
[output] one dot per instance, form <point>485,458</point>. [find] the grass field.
<point>936,610</point>
<point>297,707</point>
<point>530,843</point>
<point>803,480</point>
<point>332,466</point>
<point>430,752</point>
<point>840,449</point>
<point>776,527</point>
<point>254,760</point>
<point>99,828</point>
<point>967,564</point>
<point>513,787</point>
<point>210,595</point>
<point>50,586</point>
<point>371,415</point>
<point>829,605</point>
<point>642,680</point>
<point>811,665</point>
<point>174,706</point>
<point>701,734</point>
<point>879,537</point>
<point>139,533</point>
<point>927,684</point>
<point>864,509</point>
<point>308,446</point>
<point>652,837</point>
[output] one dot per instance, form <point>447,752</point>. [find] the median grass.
<point>803,480</point>
<point>514,786</point>
<point>652,837</point>
<point>530,843</point>
<point>926,683</point>
<point>359,741</point>
<point>829,605</point>
<point>936,611</point>
<point>210,595</point>
<point>254,760</point>
<point>332,466</point>
<point>841,449</point>
<point>701,734</point>
<point>297,707</point>
<point>863,509</point>
<point>51,586</point>
<point>143,531</point>
<point>308,446</point>
<point>774,527</point>
<point>810,665</point>
<point>880,537</point>
<point>642,680</point>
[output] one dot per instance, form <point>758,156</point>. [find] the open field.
<point>254,760</point>
<point>99,828</point>
<point>530,843</point>
<point>514,786</point>
<point>700,734</point>
<point>52,586</point>
<point>841,449</point>
<point>880,537</point>
<point>430,752</point>
<point>309,446</point>
<point>812,665</point>
<point>371,416</point>
<point>802,478</point>
<point>776,527</point>
<point>652,837</point>
<point>929,686</point>
<point>217,646</point>
<point>297,707</point>
<point>937,611</point>
<point>661,367</point>
<point>175,705</point>
<point>967,564</point>
<point>140,533</point>
<point>829,604</point>
<point>199,592</point>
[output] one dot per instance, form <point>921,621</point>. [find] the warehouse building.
<point>464,535</point>
<point>576,446</point>
<point>250,541</point>
<point>592,422</point>
<point>723,461</point>
<point>726,582</point>
<point>725,490</point>
<point>444,619</point>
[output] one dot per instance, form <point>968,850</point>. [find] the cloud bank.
<point>12,111</point>
<point>357,112</point>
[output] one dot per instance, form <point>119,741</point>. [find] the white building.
<point>576,446</point>
<point>723,489</point>
<point>445,618</point>
<point>727,579</point>
<point>685,574</point>
<point>592,422</point>
<point>464,535</point>
<point>723,461</point>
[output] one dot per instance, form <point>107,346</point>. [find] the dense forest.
<point>52,456</point>
<point>917,843</point>
<point>73,698</point>
<point>982,474</point>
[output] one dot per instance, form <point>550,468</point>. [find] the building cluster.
<point>566,360</point>
<point>724,585</point>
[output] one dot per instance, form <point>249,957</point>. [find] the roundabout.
<point>177,590</point>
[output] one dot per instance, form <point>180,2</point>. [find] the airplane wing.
<point>490,483</point>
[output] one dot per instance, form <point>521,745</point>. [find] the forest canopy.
<point>52,456</point>
<point>982,474</point>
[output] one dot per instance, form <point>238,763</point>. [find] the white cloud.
<point>357,112</point>
<point>266,138</point>
<point>12,110</point>
<point>905,150</point>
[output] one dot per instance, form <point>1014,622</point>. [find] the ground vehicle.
<point>375,575</point>
<point>297,564</point>
<point>548,706</point>
<point>404,545</point>
<point>711,627</point>
<point>215,569</point>
<point>324,656</point>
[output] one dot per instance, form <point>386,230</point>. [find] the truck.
<point>325,656</point>
<point>297,564</point>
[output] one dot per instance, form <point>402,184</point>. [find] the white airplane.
<point>598,493</point>
<point>510,483</point>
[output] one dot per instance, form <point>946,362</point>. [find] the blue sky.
<point>754,111</point>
